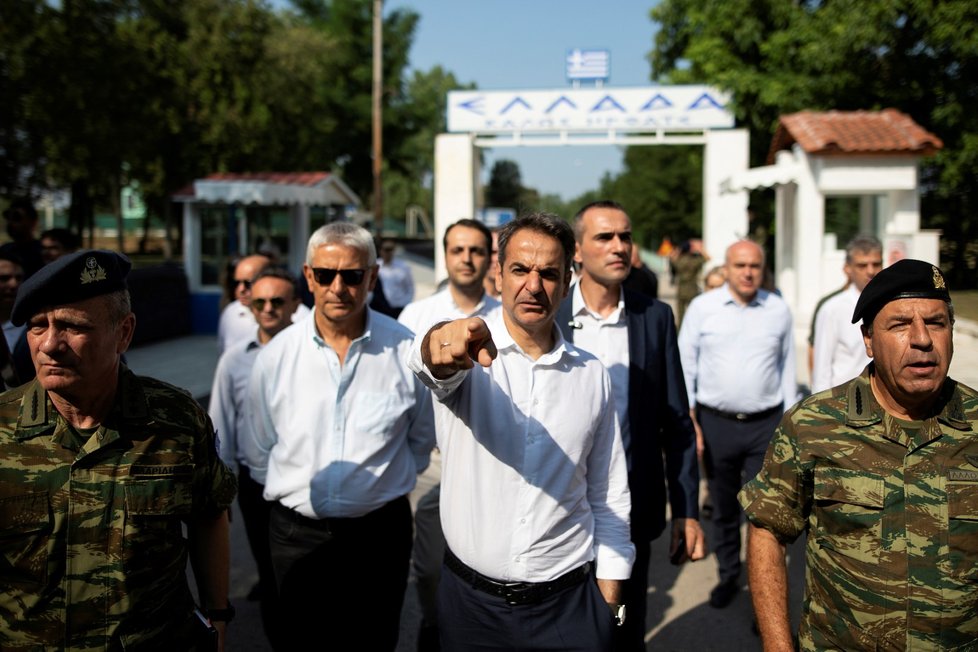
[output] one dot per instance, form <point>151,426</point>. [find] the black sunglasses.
<point>259,304</point>
<point>243,281</point>
<point>351,277</point>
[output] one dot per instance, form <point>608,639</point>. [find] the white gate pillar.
<point>456,181</point>
<point>726,153</point>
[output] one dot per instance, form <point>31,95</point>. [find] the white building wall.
<point>725,154</point>
<point>456,182</point>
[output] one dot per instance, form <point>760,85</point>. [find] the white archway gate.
<point>657,115</point>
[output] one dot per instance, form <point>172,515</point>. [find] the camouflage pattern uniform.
<point>891,511</point>
<point>92,555</point>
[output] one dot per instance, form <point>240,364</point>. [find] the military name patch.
<point>175,470</point>
<point>962,474</point>
<point>92,272</point>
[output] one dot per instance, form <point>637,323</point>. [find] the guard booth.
<point>230,215</point>
<point>820,162</point>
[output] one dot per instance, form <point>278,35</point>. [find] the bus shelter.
<point>227,215</point>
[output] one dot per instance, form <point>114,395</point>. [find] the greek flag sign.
<point>588,64</point>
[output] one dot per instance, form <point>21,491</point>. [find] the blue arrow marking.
<point>563,99</point>
<point>607,103</point>
<point>474,105</point>
<point>704,101</point>
<point>658,101</point>
<point>516,100</point>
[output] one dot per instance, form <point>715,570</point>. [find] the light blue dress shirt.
<point>738,358</point>
<point>332,440</point>
<point>229,395</point>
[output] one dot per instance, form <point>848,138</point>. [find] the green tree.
<point>505,188</point>
<point>661,187</point>
<point>349,25</point>
<point>408,179</point>
<point>781,56</point>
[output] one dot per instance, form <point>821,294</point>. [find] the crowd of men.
<point>561,419</point>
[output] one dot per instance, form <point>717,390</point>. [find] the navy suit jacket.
<point>663,443</point>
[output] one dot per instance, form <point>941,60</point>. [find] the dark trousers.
<point>576,619</point>
<point>734,454</point>
<point>342,579</point>
<point>255,511</point>
<point>630,637</point>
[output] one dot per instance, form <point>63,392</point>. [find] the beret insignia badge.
<point>938,279</point>
<point>93,271</point>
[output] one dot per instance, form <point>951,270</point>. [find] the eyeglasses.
<point>276,302</point>
<point>351,277</point>
<point>243,281</point>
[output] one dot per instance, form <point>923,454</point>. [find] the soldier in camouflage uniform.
<point>99,471</point>
<point>882,474</point>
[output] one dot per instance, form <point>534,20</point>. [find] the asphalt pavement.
<point>679,616</point>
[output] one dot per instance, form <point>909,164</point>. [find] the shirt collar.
<point>759,299</point>
<point>579,307</point>
<point>505,342</point>
<point>475,311</point>
<point>318,339</point>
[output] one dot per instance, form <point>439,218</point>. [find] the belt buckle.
<point>516,593</point>
<point>740,416</point>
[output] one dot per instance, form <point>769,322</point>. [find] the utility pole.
<point>378,78</point>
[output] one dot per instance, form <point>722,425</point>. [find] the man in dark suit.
<point>635,337</point>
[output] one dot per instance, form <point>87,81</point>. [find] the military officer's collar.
<point>38,415</point>
<point>862,408</point>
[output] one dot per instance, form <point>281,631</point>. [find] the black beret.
<point>904,279</point>
<point>73,277</point>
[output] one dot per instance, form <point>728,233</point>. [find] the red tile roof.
<point>287,178</point>
<point>290,178</point>
<point>839,133</point>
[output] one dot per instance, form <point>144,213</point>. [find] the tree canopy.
<point>780,56</point>
<point>101,92</point>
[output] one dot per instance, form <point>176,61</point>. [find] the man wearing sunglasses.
<point>340,430</point>
<point>274,299</point>
<point>237,323</point>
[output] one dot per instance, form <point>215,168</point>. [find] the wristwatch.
<point>225,615</point>
<point>618,612</point>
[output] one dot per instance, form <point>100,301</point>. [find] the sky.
<point>521,44</point>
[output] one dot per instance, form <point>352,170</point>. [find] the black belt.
<point>516,593</point>
<point>741,416</point>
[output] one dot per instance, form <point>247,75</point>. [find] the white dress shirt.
<point>840,353</point>
<point>229,396</point>
<point>332,440</point>
<point>421,315</point>
<point>533,471</point>
<point>738,358</point>
<point>237,323</point>
<point>607,339</point>
<point>397,281</point>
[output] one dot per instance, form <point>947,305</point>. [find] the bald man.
<point>738,357</point>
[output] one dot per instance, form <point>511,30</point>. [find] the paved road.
<point>679,616</point>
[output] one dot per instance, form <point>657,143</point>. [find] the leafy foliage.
<point>782,56</point>
<point>100,92</point>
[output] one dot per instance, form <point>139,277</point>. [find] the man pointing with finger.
<point>535,499</point>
